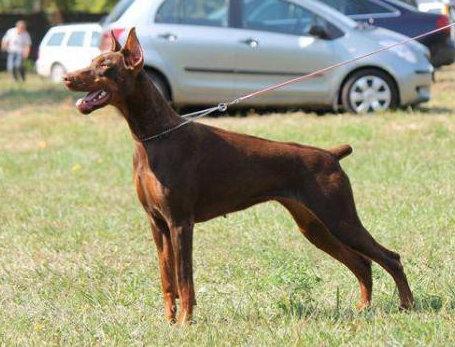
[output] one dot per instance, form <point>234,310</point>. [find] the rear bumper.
<point>443,54</point>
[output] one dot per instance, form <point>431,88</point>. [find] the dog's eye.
<point>106,71</point>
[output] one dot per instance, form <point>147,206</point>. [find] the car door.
<point>274,44</point>
<point>75,55</point>
<point>92,44</point>
<point>51,50</point>
<point>191,38</point>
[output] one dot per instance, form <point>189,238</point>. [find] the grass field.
<point>78,267</point>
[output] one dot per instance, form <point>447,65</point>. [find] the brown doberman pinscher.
<point>199,172</point>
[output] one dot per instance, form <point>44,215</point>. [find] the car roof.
<point>73,27</point>
<point>337,18</point>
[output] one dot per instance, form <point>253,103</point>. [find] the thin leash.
<point>223,107</point>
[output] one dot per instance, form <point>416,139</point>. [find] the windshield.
<point>117,12</point>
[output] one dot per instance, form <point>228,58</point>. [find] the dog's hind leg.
<point>340,215</point>
<point>317,233</point>
<point>359,239</point>
<point>162,238</point>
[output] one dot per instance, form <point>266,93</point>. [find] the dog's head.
<point>109,77</point>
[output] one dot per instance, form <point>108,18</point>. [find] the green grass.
<point>78,267</point>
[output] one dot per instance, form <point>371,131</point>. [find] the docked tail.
<point>341,151</point>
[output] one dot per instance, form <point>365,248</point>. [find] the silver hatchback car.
<point>201,52</point>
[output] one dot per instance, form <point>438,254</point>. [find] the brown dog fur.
<point>201,172</point>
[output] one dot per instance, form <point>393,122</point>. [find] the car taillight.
<point>443,21</point>
<point>105,42</point>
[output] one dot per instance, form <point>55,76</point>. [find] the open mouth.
<point>93,101</point>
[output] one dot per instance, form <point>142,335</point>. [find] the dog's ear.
<point>132,52</point>
<point>115,45</point>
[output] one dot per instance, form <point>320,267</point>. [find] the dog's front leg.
<point>182,245</point>
<point>162,238</point>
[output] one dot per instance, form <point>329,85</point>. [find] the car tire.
<point>368,91</point>
<point>160,84</point>
<point>57,73</point>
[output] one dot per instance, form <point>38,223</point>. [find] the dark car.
<point>400,17</point>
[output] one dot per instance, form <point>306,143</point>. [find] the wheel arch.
<point>367,67</point>
<point>55,63</point>
<point>51,69</point>
<point>163,77</point>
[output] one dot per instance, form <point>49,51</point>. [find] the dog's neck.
<point>146,111</point>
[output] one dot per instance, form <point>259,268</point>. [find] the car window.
<point>95,40</point>
<point>357,7</point>
<point>277,16</point>
<point>76,39</point>
<point>56,39</point>
<point>194,12</point>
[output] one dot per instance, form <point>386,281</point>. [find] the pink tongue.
<point>82,106</point>
<point>85,105</point>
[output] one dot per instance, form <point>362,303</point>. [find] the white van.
<point>67,48</point>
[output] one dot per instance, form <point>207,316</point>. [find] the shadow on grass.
<point>434,110</point>
<point>245,111</point>
<point>309,309</point>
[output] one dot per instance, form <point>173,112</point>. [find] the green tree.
<point>28,6</point>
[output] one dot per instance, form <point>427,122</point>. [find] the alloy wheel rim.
<point>370,94</point>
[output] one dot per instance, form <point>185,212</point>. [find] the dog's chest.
<point>150,191</point>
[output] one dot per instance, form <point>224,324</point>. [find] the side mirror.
<point>320,31</point>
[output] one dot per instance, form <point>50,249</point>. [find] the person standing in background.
<point>17,44</point>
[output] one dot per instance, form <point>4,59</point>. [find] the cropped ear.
<point>115,45</point>
<point>132,52</point>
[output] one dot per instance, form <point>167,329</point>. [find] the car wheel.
<point>160,84</point>
<point>369,91</point>
<point>57,73</point>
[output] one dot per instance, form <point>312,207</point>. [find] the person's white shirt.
<point>16,42</point>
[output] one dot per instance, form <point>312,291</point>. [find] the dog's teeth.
<point>79,102</point>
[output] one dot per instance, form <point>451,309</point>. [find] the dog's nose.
<point>69,81</point>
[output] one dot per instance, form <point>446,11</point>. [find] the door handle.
<point>253,43</point>
<point>168,36</point>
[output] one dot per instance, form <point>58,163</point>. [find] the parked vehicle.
<point>433,6</point>
<point>446,7</point>
<point>66,48</point>
<point>404,19</point>
<point>199,54</point>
